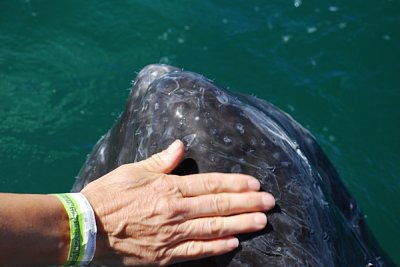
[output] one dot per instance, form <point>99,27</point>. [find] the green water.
<point>66,68</point>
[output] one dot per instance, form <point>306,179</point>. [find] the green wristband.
<point>82,226</point>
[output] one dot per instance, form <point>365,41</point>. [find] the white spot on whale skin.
<point>268,125</point>
<point>240,127</point>
<point>212,131</point>
<point>140,150</point>
<point>253,141</point>
<point>182,123</point>
<point>227,140</point>
<point>149,129</point>
<point>102,154</point>
<point>285,164</point>
<point>145,106</point>
<point>171,85</point>
<point>188,140</point>
<point>178,112</point>
<point>276,155</point>
<point>249,151</point>
<point>212,157</point>
<point>222,98</point>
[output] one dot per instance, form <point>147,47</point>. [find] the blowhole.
<point>186,167</point>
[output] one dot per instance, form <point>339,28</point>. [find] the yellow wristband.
<point>82,226</point>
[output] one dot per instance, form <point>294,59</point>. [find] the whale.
<point>316,221</point>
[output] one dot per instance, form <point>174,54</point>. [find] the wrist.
<point>82,228</point>
<point>102,241</point>
<point>61,231</point>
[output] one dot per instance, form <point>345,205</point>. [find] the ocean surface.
<point>66,68</point>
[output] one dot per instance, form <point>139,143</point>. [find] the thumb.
<point>166,160</point>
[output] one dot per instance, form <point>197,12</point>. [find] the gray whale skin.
<point>316,222</point>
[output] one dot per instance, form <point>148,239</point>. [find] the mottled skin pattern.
<point>315,223</point>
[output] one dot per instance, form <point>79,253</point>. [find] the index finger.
<point>212,183</point>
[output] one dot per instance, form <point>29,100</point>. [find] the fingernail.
<point>253,184</point>
<point>260,219</point>
<point>233,243</point>
<point>174,147</point>
<point>268,201</point>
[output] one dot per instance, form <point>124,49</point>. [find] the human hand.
<point>145,216</point>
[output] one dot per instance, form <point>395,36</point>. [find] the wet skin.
<point>316,222</point>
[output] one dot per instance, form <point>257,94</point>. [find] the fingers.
<point>212,183</point>
<point>212,236</point>
<point>166,160</point>
<point>196,249</point>
<point>218,227</point>
<point>226,204</point>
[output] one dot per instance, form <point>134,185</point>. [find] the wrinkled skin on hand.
<point>146,216</point>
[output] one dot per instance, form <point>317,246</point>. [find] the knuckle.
<point>180,232</point>
<point>215,226</point>
<point>168,234</point>
<point>211,184</point>
<point>162,183</point>
<point>253,201</point>
<point>165,185</point>
<point>163,257</point>
<point>165,261</point>
<point>174,181</point>
<point>161,207</point>
<point>153,162</point>
<point>185,186</point>
<point>156,159</point>
<point>174,208</point>
<point>257,201</point>
<point>194,249</point>
<point>221,203</point>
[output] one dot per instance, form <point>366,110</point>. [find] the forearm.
<point>34,230</point>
